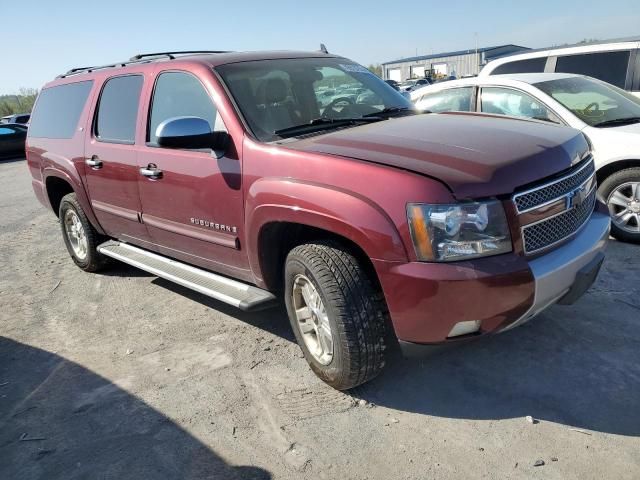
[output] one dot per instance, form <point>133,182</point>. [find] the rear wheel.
<point>79,236</point>
<point>621,191</point>
<point>337,314</point>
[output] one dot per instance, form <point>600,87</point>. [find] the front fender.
<point>321,206</point>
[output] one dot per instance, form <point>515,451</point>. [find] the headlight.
<point>444,233</point>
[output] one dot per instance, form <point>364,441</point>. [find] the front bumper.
<point>564,274</point>
<point>427,300</point>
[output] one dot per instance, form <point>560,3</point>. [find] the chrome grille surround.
<point>573,194</point>
<point>551,191</point>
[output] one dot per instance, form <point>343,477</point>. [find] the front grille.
<point>553,190</point>
<point>546,233</point>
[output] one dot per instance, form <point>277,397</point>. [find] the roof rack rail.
<point>171,55</point>
<point>140,58</point>
<point>77,70</point>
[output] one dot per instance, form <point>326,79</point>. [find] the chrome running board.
<point>241,295</point>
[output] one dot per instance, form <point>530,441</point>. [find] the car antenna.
<point>323,49</point>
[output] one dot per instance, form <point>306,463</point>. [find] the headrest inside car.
<point>275,90</point>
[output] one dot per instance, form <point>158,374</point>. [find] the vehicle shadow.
<point>59,420</point>
<point>273,320</point>
<point>578,370</point>
<point>11,158</point>
<point>574,365</point>
<point>571,370</point>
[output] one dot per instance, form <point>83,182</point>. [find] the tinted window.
<point>179,94</point>
<point>451,100</point>
<point>506,101</point>
<point>530,65</point>
<point>22,119</point>
<point>118,109</point>
<point>610,67</point>
<point>58,110</point>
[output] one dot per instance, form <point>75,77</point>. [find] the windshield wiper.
<point>322,123</point>
<point>388,110</point>
<point>618,121</point>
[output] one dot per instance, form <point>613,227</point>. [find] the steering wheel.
<point>592,109</point>
<point>338,102</point>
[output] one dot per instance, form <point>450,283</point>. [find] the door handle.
<point>151,171</point>
<point>94,162</point>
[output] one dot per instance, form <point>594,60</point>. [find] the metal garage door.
<point>395,74</point>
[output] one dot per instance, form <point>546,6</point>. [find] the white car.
<point>608,116</point>
<point>616,62</point>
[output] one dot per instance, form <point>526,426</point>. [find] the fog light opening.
<point>464,328</point>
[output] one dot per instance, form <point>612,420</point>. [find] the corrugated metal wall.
<point>460,65</point>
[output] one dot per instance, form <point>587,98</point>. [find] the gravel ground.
<point>123,375</point>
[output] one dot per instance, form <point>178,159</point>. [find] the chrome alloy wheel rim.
<point>312,319</point>
<point>624,206</point>
<point>76,234</point>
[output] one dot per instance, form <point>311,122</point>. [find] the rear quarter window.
<point>610,67</point>
<point>530,65</point>
<point>58,110</point>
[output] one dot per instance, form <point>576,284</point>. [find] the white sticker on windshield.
<point>352,67</point>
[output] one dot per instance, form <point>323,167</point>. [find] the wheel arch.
<point>282,214</point>
<point>57,184</point>
<point>610,168</point>
<point>279,238</point>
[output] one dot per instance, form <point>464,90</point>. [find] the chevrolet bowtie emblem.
<point>576,197</point>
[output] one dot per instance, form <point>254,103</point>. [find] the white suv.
<point>616,62</point>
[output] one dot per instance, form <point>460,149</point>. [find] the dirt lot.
<point>122,375</point>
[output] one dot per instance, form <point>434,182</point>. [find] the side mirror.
<point>190,132</point>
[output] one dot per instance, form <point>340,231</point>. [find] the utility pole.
<point>475,34</point>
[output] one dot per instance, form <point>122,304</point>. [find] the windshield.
<point>595,103</point>
<point>275,95</point>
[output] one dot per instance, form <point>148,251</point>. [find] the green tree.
<point>20,103</point>
<point>376,69</point>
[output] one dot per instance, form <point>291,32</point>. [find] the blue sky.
<point>53,36</point>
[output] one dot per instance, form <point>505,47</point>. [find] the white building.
<point>459,64</point>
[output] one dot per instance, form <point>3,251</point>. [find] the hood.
<point>475,155</point>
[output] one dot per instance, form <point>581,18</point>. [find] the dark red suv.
<point>305,176</point>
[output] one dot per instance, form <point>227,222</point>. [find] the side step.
<point>245,297</point>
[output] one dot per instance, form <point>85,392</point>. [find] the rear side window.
<point>58,110</point>
<point>450,100</point>
<point>118,109</point>
<point>610,67</point>
<point>22,119</point>
<point>506,101</point>
<point>179,94</point>
<point>530,65</point>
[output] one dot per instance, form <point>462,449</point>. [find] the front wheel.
<point>338,315</point>
<point>621,191</point>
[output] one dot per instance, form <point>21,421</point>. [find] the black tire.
<point>93,260</point>
<point>607,187</point>
<point>355,308</point>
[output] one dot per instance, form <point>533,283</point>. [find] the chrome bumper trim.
<point>555,272</point>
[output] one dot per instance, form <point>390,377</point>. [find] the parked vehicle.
<point>364,218</point>
<point>21,118</point>
<point>409,85</point>
<point>12,139</point>
<point>608,116</point>
<point>393,83</point>
<point>616,62</point>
